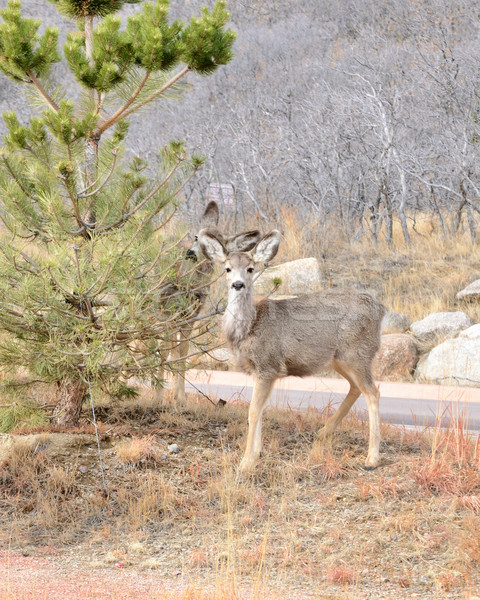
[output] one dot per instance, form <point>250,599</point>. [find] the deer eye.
<point>196,238</point>
<point>228,269</point>
<point>250,270</point>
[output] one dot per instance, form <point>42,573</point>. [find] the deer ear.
<point>242,242</point>
<point>210,216</point>
<point>211,246</point>
<point>267,247</point>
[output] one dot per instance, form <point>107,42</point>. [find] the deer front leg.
<point>261,392</point>
<point>178,352</point>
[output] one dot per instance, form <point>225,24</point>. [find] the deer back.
<point>302,336</point>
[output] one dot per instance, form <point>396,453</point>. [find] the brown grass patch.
<point>341,574</point>
<point>140,450</point>
<point>309,518</point>
<point>414,280</point>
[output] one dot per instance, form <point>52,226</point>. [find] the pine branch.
<point>15,177</point>
<point>102,283</point>
<point>43,91</point>
<point>102,185</point>
<point>139,206</point>
<point>118,115</point>
<point>80,222</point>
<point>161,252</point>
<point>124,113</point>
<point>88,22</point>
<point>159,284</point>
<point>67,231</point>
<point>29,220</point>
<point>162,225</point>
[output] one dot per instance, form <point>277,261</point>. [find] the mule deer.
<point>240,242</point>
<point>337,329</point>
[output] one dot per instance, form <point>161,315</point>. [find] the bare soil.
<point>309,523</point>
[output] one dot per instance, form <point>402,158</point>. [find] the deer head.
<point>240,265</point>
<point>241,242</point>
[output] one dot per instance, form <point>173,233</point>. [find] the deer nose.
<point>190,254</point>
<point>238,285</point>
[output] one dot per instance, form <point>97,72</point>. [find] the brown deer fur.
<point>337,329</point>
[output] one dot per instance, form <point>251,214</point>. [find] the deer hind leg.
<point>361,381</point>
<point>261,391</point>
<point>332,423</point>
<point>372,396</point>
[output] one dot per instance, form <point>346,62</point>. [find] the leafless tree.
<point>357,112</point>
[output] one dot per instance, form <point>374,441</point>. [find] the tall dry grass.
<point>415,280</point>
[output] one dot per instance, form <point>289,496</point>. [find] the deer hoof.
<point>246,466</point>
<point>370,465</point>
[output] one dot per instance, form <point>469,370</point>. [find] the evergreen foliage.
<point>90,287</point>
<point>77,9</point>
<point>22,51</point>
<point>206,44</point>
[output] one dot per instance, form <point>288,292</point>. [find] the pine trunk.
<point>70,393</point>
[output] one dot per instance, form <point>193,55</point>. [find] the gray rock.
<point>455,361</point>
<point>173,448</point>
<point>471,293</point>
<point>440,325</point>
<point>394,323</point>
<point>397,357</point>
<point>472,332</point>
<point>220,354</point>
<point>298,277</point>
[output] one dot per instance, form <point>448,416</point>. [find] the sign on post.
<point>222,193</point>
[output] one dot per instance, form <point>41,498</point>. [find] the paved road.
<point>400,403</point>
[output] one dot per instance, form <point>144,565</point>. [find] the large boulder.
<point>455,361</point>
<point>51,444</point>
<point>394,323</point>
<point>397,357</point>
<point>440,325</point>
<point>471,293</point>
<point>218,359</point>
<point>298,277</point>
<point>472,332</point>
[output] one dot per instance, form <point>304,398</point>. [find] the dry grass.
<point>309,521</point>
<point>140,450</point>
<point>451,465</point>
<point>414,280</point>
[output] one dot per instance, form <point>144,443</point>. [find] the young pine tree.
<point>91,291</point>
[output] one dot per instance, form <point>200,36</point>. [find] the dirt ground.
<point>180,522</point>
<point>55,575</point>
<point>58,577</point>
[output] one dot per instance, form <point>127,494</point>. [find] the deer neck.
<point>239,316</point>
